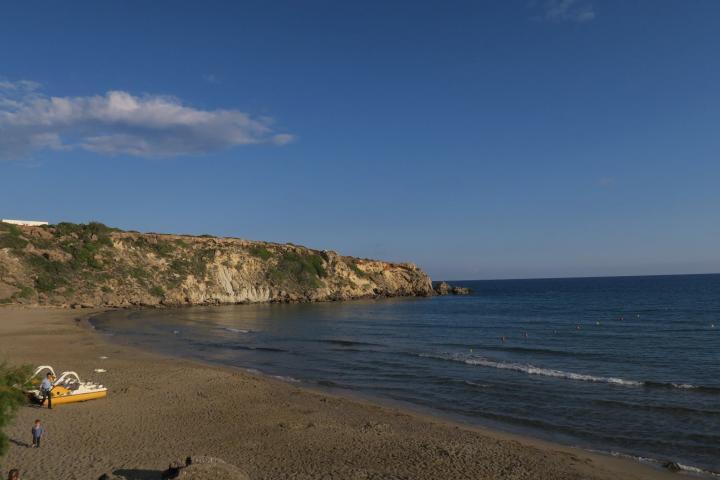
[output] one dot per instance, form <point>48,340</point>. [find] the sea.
<point>624,365</point>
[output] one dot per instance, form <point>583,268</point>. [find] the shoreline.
<point>364,436</point>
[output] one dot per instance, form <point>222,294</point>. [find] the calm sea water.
<point>628,365</point>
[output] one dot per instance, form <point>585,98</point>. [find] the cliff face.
<point>93,265</point>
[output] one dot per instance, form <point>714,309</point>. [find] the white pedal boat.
<point>66,389</point>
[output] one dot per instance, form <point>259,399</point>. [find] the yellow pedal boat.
<point>66,389</point>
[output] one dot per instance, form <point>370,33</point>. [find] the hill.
<point>94,265</point>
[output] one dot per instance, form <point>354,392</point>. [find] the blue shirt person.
<point>46,388</point>
<point>37,433</point>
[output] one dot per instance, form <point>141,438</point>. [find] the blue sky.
<point>477,139</point>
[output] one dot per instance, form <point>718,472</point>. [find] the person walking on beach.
<point>46,389</point>
<point>14,474</point>
<point>37,433</point>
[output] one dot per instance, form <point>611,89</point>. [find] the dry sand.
<point>160,409</point>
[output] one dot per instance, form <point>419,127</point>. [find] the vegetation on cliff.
<point>95,265</point>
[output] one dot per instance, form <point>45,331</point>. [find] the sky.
<point>477,139</point>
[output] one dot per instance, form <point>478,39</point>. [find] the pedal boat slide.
<point>66,389</point>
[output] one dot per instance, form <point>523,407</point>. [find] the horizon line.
<point>580,277</point>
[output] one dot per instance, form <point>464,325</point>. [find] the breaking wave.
<point>550,372</point>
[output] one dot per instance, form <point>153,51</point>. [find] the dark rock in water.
<point>444,288</point>
<point>460,291</point>
<point>672,466</point>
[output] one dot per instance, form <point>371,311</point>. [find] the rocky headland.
<point>92,265</point>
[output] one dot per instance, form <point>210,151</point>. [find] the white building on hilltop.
<point>28,223</point>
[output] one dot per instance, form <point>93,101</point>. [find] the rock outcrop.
<point>95,266</point>
<point>444,288</point>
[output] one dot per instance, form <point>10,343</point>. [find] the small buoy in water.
<point>176,332</point>
<point>712,325</point>
<point>638,315</point>
<point>597,323</point>
<point>577,327</point>
<point>471,350</point>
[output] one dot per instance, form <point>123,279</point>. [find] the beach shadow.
<point>19,443</point>
<point>137,474</point>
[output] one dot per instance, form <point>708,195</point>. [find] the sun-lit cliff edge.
<point>94,265</point>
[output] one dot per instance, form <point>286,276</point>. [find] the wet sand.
<point>161,409</point>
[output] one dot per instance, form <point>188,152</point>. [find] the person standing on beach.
<point>37,433</point>
<point>46,389</point>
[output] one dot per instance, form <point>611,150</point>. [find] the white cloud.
<point>568,11</point>
<point>120,123</point>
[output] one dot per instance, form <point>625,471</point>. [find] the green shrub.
<point>10,228</point>
<point>317,263</point>
<point>41,243</point>
<point>25,293</point>
<point>195,265</point>
<point>12,237</point>
<point>358,272</point>
<point>83,242</point>
<point>138,273</point>
<point>303,270</point>
<point>81,230</point>
<point>12,242</point>
<point>164,249</point>
<point>50,273</point>
<point>46,283</point>
<point>260,252</point>
<point>160,247</point>
<point>157,291</point>
<point>83,255</point>
<point>12,381</point>
<point>180,266</point>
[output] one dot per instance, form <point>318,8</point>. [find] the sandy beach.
<point>160,409</point>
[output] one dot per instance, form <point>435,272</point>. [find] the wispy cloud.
<point>120,123</point>
<point>568,11</point>
<point>211,78</point>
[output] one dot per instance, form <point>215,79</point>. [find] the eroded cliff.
<point>94,265</point>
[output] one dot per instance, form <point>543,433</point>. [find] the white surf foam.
<point>533,370</point>
<point>235,330</point>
